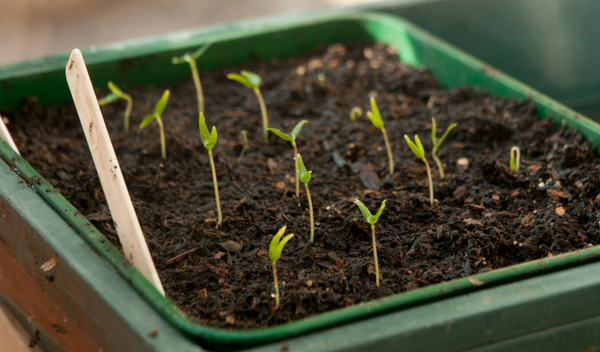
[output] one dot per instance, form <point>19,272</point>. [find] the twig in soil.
<point>420,153</point>
<point>438,142</point>
<point>275,250</point>
<point>181,256</point>
<point>304,252</point>
<point>158,111</point>
<point>372,220</point>
<point>515,159</point>
<point>117,93</point>
<point>209,140</point>
<point>252,81</point>
<point>191,58</point>
<point>305,177</point>
<point>292,139</point>
<point>376,120</point>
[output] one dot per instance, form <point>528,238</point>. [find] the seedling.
<point>375,118</point>
<point>117,93</point>
<point>158,111</point>
<point>420,153</point>
<point>305,178</point>
<point>275,250</point>
<point>355,112</point>
<point>209,140</point>
<point>243,133</point>
<point>437,143</point>
<point>252,81</point>
<point>191,58</point>
<point>321,79</point>
<point>292,139</point>
<point>515,159</point>
<point>372,220</point>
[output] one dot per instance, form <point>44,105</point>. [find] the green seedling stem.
<point>243,133</point>
<point>420,153</point>
<point>209,140</point>
<point>376,120</point>
<point>117,93</point>
<point>292,139</point>
<point>305,178</point>
<point>355,112</point>
<point>158,111</point>
<point>515,159</point>
<point>191,59</point>
<point>372,220</point>
<point>252,81</point>
<point>437,143</point>
<point>275,250</point>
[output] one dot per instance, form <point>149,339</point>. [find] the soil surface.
<point>485,217</point>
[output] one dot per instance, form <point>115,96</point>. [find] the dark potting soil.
<point>484,216</point>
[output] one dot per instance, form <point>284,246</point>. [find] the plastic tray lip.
<point>339,316</point>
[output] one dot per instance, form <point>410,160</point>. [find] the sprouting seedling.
<point>515,159</point>
<point>437,143</point>
<point>292,139</point>
<point>252,81</point>
<point>355,112</point>
<point>243,133</point>
<point>375,118</point>
<point>305,178</point>
<point>117,93</point>
<point>158,111</point>
<point>209,140</point>
<point>191,59</point>
<point>275,250</point>
<point>321,79</point>
<point>420,153</point>
<point>372,220</point>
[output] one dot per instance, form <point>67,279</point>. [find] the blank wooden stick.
<point>6,136</point>
<point>111,177</point>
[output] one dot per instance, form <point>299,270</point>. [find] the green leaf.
<point>304,175</point>
<point>276,247</point>
<point>241,79</point>
<point>296,130</point>
<point>162,103</point>
<point>282,135</point>
<point>213,139</point>
<point>204,135</point>
<point>147,120</point>
<point>418,148</point>
<point>108,99</point>
<point>441,140</point>
<point>196,55</point>
<point>243,132</point>
<point>252,77</point>
<point>375,116</point>
<point>375,217</point>
<point>363,209</point>
<point>115,89</point>
<point>176,60</point>
<point>283,242</point>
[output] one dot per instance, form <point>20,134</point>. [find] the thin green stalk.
<point>312,220</point>
<point>198,85</point>
<point>389,151</point>
<point>375,256</point>
<point>212,166</point>
<point>430,181</point>
<point>276,286</point>
<point>163,143</point>
<point>128,112</point>
<point>263,111</point>
<point>296,165</point>
<point>438,162</point>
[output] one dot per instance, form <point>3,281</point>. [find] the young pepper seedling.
<point>252,81</point>
<point>355,112</point>
<point>209,140</point>
<point>305,178</point>
<point>437,143</point>
<point>420,153</point>
<point>158,111</point>
<point>375,118</point>
<point>275,250</point>
<point>191,59</point>
<point>292,139</point>
<point>515,159</point>
<point>117,93</point>
<point>243,133</point>
<point>372,220</point>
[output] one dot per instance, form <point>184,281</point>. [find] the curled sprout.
<point>191,59</point>
<point>419,151</point>
<point>252,81</point>
<point>117,93</point>
<point>375,118</point>
<point>275,250</point>
<point>372,220</point>
<point>209,140</point>
<point>292,139</point>
<point>437,143</point>
<point>305,177</point>
<point>515,159</point>
<point>245,147</point>
<point>355,112</point>
<point>158,111</point>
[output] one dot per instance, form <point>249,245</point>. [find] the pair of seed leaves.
<point>208,139</point>
<point>159,108</point>
<point>247,78</point>
<point>276,246</point>
<point>116,93</point>
<point>188,57</point>
<point>293,135</point>
<point>371,219</point>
